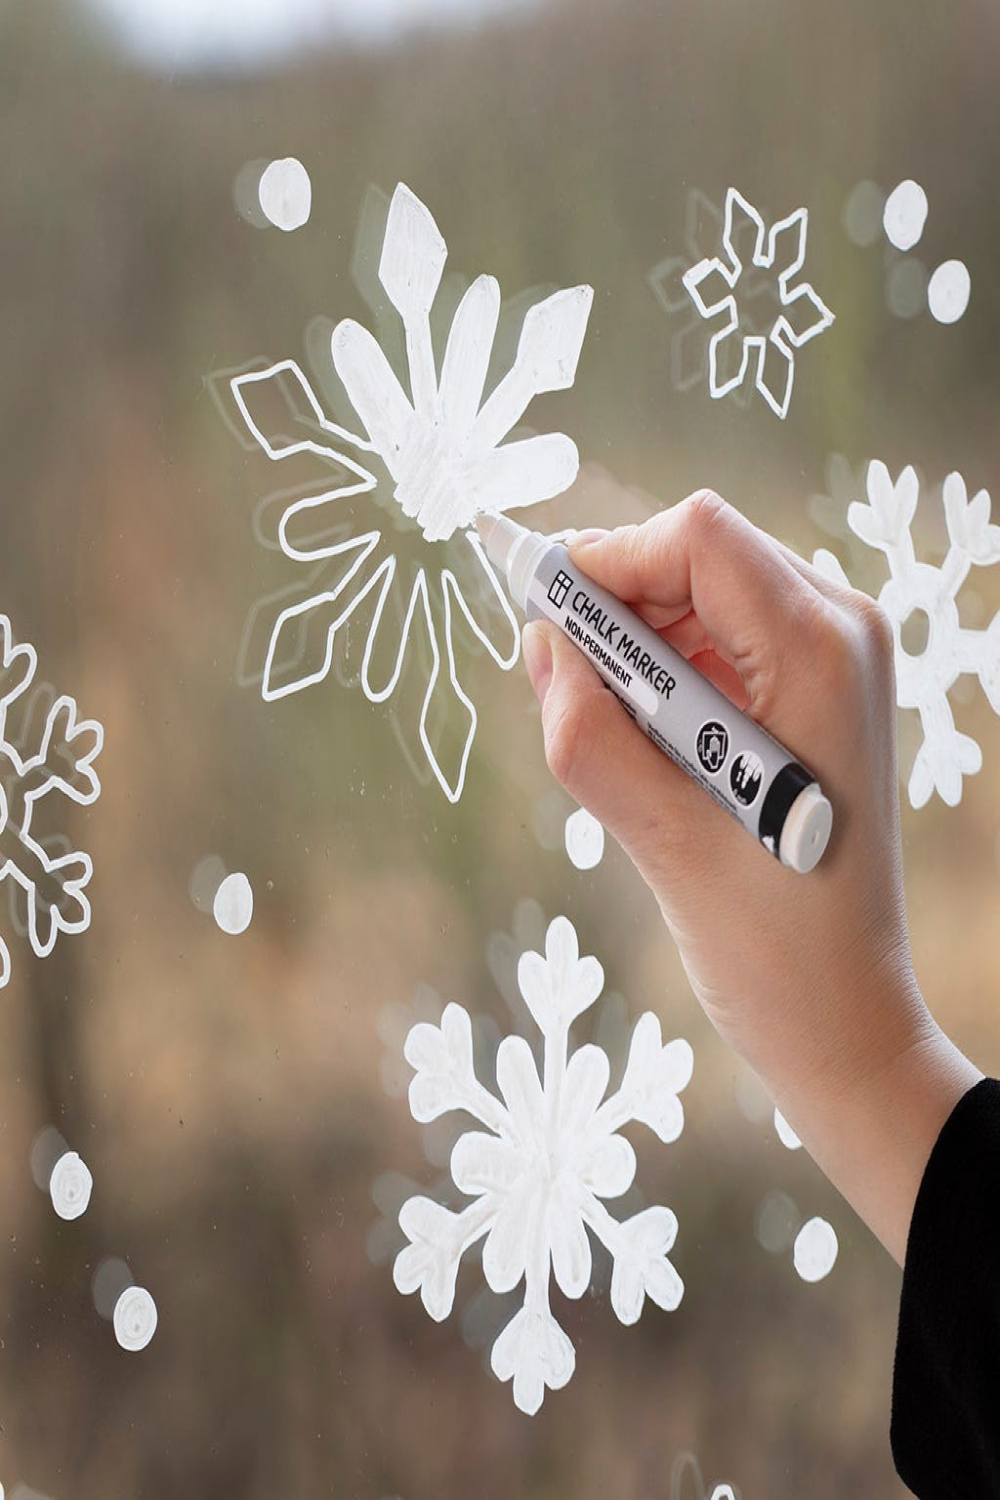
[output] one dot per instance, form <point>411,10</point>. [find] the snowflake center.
<point>915,632</point>
<point>425,469</point>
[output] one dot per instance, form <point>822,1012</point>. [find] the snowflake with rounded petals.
<point>539,1173</point>
<point>924,678</point>
<point>441,442</point>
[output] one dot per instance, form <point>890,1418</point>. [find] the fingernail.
<point>537,658</point>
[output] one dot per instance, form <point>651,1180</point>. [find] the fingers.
<point>756,609</point>
<point>599,755</point>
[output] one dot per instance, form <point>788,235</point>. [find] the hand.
<point>809,977</point>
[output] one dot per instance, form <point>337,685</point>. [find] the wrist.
<point>871,1121</point>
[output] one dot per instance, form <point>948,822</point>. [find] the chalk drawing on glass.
<point>134,1319</point>
<point>716,287</point>
<point>786,1135</point>
<point>584,837</point>
<point>901,218</point>
<point>59,765</point>
<point>61,1173</point>
<point>925,596</point>
<point>539,1172</point>
<point>232,905</point>
<point>273,194</point>
<point>440,442</point>
<point>689,349</point>
<point>815,1250</point>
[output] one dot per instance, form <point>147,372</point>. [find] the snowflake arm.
<point>946,755</point>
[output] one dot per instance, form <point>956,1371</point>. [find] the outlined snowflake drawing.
<point>703,228</point>
<point>53,884</point>
<point>712,285</point>
<point>442,445</point>
<point>537,1175</point>
<point>924,679</point>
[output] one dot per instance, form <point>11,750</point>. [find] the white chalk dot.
<point>70,1186</point>
<point>285,193</point>
<point>906,288</point>
<point>584,839</point>
<point>233,904</point>
<point>905,214</point>
<point>862,217</point>
<point>135,1319</point>
<point>948,291</point>
<point>786,1135</point>
<point>815,1250</point>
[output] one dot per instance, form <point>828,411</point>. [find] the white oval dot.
<point>70,1186</point>
<point>905,214</point>
<point>815,1250</point>
<point>233,904</point>
<point>948,291</point>
<point>786,1135</point>
<point>135,1319</point>
<point>285,193</point>
<point>584,839</point>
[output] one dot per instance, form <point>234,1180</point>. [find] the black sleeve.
<point>946,1385</point>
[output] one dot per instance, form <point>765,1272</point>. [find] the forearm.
<point>871,1129</point>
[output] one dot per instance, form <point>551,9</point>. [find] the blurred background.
<point>240,1099</point>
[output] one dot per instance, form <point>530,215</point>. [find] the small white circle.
<point>815,1251</point>
<point>905,214</point>
<point>135,1319</point>
<point>233,904</point>
<point>948,291</point>
<point>786,1135</point>
<point>70,1186</point>
<point>584,839</point>
<point>285,193</point>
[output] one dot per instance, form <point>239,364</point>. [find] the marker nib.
<point>485,524</point>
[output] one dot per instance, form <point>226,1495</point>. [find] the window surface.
<point>277,825</point>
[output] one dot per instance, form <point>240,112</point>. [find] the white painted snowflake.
<point>537,1175</point>
<point>923,679</point>
<point>712,285</point>
<point>442,445</point>
<point>53,885</point>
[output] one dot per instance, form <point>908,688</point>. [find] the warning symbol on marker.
<point>745,777</point>
<point>713,745</point>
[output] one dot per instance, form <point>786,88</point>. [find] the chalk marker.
<point>723,750</point>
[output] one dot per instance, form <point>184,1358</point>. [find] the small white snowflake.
<point>924,679</point>
<point>712,285</point>
<point>445,444</point>
<point>52,885</point>
<point>537,1176</point>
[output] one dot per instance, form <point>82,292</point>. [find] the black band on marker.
<point>786,786</point>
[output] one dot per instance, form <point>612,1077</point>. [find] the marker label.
<point>724,751</point>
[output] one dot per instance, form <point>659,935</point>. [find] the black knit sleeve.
<point>946,1385</point>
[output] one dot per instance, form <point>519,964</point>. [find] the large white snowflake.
<point>51,885</point>
<point>712,285</point>
<point>442,445</point>
<point>923,678</point>
<point>537,1175</point>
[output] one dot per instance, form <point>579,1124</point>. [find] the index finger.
<point>705,555</point>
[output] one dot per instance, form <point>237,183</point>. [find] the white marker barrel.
<point>725,751</point>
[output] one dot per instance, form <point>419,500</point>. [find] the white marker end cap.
<point>806,831</point>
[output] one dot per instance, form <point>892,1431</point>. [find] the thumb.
<point>603,759</point>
